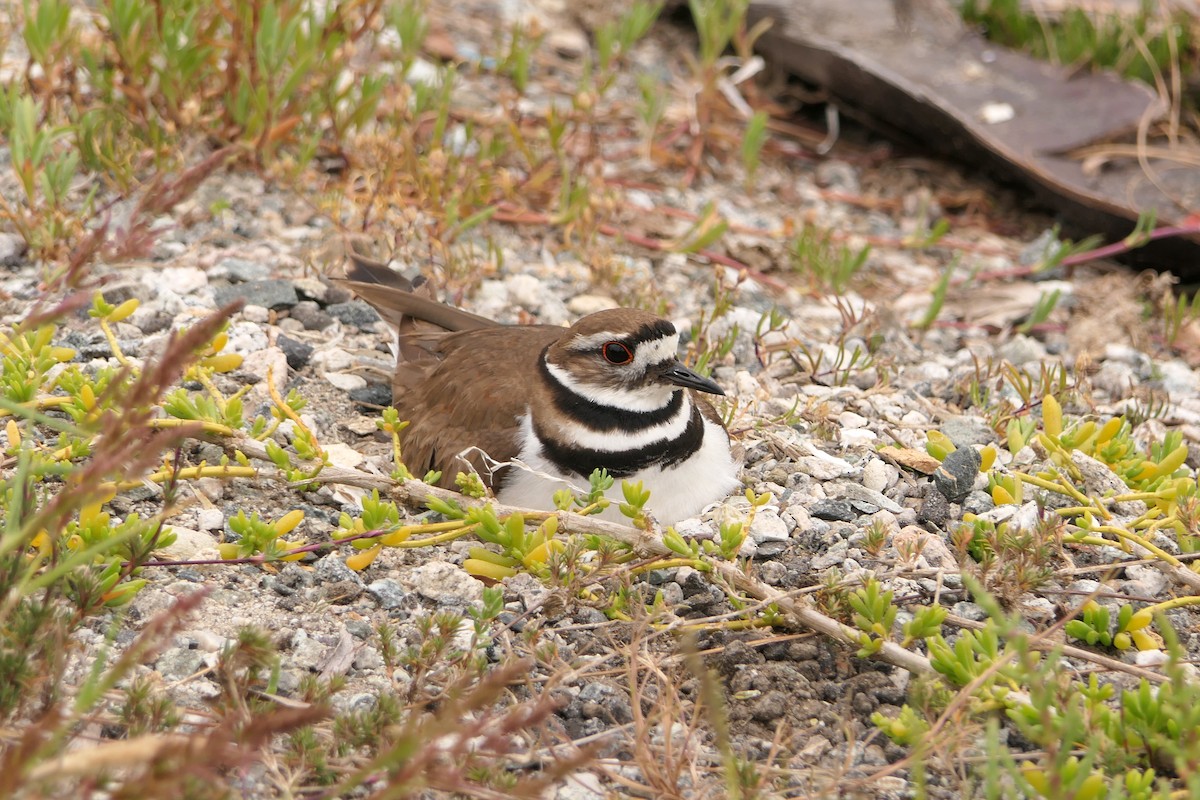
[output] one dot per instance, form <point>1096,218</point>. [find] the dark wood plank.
<point>934,81</point>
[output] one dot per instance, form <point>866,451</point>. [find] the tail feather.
<point>398,299</point>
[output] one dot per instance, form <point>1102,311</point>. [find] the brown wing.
<point>473,397</point>
<point>447,381</point>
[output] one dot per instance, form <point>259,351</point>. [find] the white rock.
<point>12,247</point>
<point>189,545</point>
<point>210,519</point>
<point>856,436</point>
<point>526,291</point>
<point>423,72</point>
<point>1144,580</point>
<point>446,584</point>
<point>269,361</point>
<point>927,371</point>
<point>848,419</point>
<point>181,280</point>
<point>913,539</point>
<point>1150,658</point>
<point>331,359</point>
<point>252,313</point>
<point>208,642</point>
<point>878,475</point>
<point>568,42</point>
<point>821,465</point>
<point>768,527</point>
<point>247,338</point>
<point>995,113</point>
<point>345,381</point>
<point>1178,379</point>
<point>343,455</point>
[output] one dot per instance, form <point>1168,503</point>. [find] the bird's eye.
<point>616,353</point>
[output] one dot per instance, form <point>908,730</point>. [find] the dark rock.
<point>88,344</point>
<point>279,587</point>
<point>770,707</point>
<point>373,394</point>
<point>863,703</point>
<point>275,293</point>
<point>955,477</point>
<point>240,270</point>
<point>331,569</point>
<point>387,593</point>
<point>310,315</point>
<point>358,628</point>
<point>296,352</point>
<point>336,294</point>
<point>967,431</point>
<point>935,511</point>
<point>601,701</point>
<point>295,576</point>
<point>833,511</point>
<point>343,592</point>
<point>153,323</point>
<point>354,312</point>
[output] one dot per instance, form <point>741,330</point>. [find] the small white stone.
<point>189,544</point>
<point>255,314</point>
<point>208,642</point>
<point>247,338</point>
<point>331,359</point>
<point>345,381</point>
<point>423,72</point>
<point>290,325</point>
<point>210,519</point>
<point>878,475</point>
<point>768,527</point>
<point>446,584</point>
<point>1146,580</point>
<point>913,539</point>
<point>362,425</point>
<point>1150,658</point>
<point>343,455</point>
<point>995,113</point>
<point>181,280</point>
<point>212,488</point>
<point>857,436</point>
<point>526,291</point>
<point>568,42</point>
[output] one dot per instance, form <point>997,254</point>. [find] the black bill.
<point>680,375</point>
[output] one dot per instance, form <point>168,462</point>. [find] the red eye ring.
<point>616,353</point>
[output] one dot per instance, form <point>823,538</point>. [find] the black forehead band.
<point>651,331</point>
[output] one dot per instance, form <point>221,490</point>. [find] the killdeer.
<point>549,405</point>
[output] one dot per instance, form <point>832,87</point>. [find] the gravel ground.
<point>811,430</point>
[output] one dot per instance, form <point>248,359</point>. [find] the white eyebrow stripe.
<point>654,351</point>
<point>584,344</point>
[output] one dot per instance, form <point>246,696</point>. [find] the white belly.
<point>676,493</point>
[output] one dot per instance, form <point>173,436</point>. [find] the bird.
<point>532,408</point>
